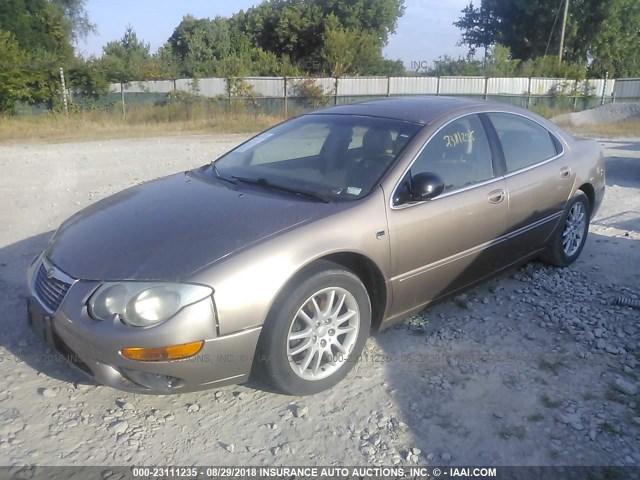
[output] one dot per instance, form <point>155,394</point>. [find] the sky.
<point>424,33</point>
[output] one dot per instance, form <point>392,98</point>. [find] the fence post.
<point>604,87</point>
<point>486,87</point>
<point>286,102</point>
<point>124,107</point>
<point>438,85</point>
<point>529,95</point>
<point>575,96</point>
<point>335,97</point>
<point>64,92</point>
<point>388,86</point>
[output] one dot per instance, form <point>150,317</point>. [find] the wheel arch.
<point>370,275</point>
<point>364,268</point>
<point>590,192</point>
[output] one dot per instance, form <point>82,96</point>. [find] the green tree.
<point>37,25</point>
<point>292,28</point>
<point>12,73</point>
<point>126,59</point>
<point>601,34</point>
<point>348,51</point>
<point>77,19</point>
<point>610,36</point>
<point>200,43</point>
<point>478,27</point>
<point>43,31</point>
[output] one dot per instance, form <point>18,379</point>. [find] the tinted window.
<point>524,142</point>
<point>459,153</point>
<point>337,156</point>
<point>303,142</point>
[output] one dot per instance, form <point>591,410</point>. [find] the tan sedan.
<point>282,255</point>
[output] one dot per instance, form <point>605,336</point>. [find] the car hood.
<point>171,227</point>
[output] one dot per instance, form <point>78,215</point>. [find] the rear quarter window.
<point>524,142</point>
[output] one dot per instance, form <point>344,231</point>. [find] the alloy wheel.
<point>323,333</point>
<point>573,234</point>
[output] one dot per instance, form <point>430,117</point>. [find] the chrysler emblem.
<point>50,273</point>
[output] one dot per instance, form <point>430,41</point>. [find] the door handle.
<point>496,196</point>
<point>565,172</point>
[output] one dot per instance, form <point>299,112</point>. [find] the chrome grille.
<point>50,288</point>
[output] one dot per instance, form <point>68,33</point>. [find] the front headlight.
<point>142,304</point>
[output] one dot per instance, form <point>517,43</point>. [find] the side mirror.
<point>426,185</point>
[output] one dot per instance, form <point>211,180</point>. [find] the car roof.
<point>422,110</point>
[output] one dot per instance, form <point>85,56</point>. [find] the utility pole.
<point>564,27</point>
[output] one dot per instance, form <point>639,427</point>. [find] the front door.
<point>441,245</point>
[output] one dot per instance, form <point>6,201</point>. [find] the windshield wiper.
<point>218,175</point>
<point>263,182</point>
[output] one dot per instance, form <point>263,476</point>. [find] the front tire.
<point>570,236</point>
<point>316,330</point>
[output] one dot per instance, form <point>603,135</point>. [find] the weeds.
<point>139,121</point>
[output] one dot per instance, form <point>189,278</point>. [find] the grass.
<point>140,121</point>
<point>148,120</point>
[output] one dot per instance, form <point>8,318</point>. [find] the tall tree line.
<point>276,37</point>
<point>602,36</point>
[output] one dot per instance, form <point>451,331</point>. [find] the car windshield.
<point>327,157</point>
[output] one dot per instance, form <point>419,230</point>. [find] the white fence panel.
<point>151,86</point>
<point>413,86</point>
<point>273,87</point>
<point>212,87</point>
<point>362,86</point>
<point>627,88</point>
<point>462,85</point>
<point>328,84</point>
<point>507,86</point>
<point>187,85</point>
<point>547,86</point>
<point>269,87</point>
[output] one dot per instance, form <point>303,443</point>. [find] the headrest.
<point>376,141</point>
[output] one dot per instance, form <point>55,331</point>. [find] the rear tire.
<point>315,331</point>
<point>568,240</point>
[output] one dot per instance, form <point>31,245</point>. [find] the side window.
<point>459,153</point>
<point>524,142</point>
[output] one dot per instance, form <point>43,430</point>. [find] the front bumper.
<point>94,347</point>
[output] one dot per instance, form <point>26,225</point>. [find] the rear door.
<point>538,181</point>
<point>443,244</point>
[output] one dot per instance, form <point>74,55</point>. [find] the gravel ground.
<point>606,114</point>
<point>536,367</point>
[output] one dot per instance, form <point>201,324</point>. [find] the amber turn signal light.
<point>162,354</point>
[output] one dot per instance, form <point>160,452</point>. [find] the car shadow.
<point>622,171</point>
<point>458,374</point>
<point>19,344</point>
<point>623,145</point>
